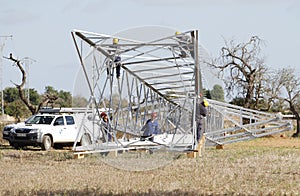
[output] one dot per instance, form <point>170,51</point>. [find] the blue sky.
<point>42,30</point>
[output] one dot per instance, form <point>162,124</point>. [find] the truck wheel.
<point>47,143</point>
<point>85,140</point>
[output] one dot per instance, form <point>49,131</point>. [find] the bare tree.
<point>272,90</point>
<point>242,70</point>
<point>286,87</point>
<point>46,98</point>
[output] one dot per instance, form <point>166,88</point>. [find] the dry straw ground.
<point>266,166</point>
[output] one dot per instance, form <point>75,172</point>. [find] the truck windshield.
<point>27,121</point>
<point>41,120</point>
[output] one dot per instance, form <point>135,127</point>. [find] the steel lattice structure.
<point>131,78</point>
<point>156,76</point>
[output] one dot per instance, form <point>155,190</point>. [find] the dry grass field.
<point>265,166</point>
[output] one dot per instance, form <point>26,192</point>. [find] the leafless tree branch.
<point>46,99</point>
<point>244,68</point>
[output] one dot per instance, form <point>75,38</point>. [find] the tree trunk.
<point>33,109</point>
<point>297,134</point>
<point>250,77</point>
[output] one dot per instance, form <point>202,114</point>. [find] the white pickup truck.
<point>51,128</point>
<point>7,128</point>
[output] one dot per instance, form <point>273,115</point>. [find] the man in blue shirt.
<point>151,127</point>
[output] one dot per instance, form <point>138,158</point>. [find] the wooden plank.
<point>78,156</point>
<point>192,154</point>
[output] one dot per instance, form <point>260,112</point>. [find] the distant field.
<point>266,166</point>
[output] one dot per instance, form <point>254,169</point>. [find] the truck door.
<point>59,129</point>
<point>71,128</point>
<point>65,129</point>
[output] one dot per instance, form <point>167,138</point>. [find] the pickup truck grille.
<point>22,130</point>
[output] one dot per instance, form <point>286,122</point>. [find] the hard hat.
<point>103,114</point>
<point>115,40</point>
<point>205,103</point>
<point>177,33</point>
